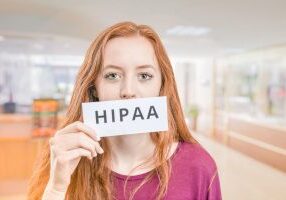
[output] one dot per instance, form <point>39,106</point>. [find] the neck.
<point>128,151</point>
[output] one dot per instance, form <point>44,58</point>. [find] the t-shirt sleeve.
<point>214,191</point>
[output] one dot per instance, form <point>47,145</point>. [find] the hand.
<point>67,147</point>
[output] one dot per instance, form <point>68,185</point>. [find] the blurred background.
<point>229,59</point>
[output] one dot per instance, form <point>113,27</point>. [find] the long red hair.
<point>92,180</point>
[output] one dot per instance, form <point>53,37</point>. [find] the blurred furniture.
<point>249,104</point>
<point>18,149</point>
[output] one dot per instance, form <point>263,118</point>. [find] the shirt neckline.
<point>141,176</point>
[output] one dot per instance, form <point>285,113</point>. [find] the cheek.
<point>107,91</point>
<point>151,90</point>
<point>157,86</point>
<point>157,89</point>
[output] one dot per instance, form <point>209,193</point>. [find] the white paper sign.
<point>122,117</point>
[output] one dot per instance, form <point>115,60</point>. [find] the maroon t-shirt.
<point>194,176</point>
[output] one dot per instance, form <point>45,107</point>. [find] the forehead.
<point>129,51</point>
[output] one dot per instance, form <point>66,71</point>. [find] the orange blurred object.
<point>45,117</point>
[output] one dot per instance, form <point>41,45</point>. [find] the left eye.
<point>145,76</point>
<point>112,76</point>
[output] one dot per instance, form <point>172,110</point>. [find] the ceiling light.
<point>188,31</point>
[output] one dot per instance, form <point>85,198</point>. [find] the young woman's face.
<point>130,70</point>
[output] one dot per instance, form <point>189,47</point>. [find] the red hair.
<point>92,180</point>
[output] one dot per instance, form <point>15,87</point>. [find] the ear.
<point>92,94</point>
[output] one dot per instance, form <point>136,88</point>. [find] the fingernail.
<point>98,138</point>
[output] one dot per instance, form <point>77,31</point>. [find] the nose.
<point>128,90</point>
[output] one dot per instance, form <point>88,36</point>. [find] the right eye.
<point>111,76</point>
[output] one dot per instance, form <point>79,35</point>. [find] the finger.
<point>75,140</point>
<point>98,148</point>
<point>73,154</point>
<point>79,126</point>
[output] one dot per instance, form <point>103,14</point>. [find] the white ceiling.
<point>69,25</point>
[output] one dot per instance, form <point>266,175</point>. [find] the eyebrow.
<point>138,67</point>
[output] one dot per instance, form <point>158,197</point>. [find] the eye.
<point>111,76</point>
<point>145,76</point>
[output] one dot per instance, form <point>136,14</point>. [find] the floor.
<point>242,178</point>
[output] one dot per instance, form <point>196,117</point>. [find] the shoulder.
<point>193,157</point>
<point>194,171</point>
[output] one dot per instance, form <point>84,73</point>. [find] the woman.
<point>125,61</point>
